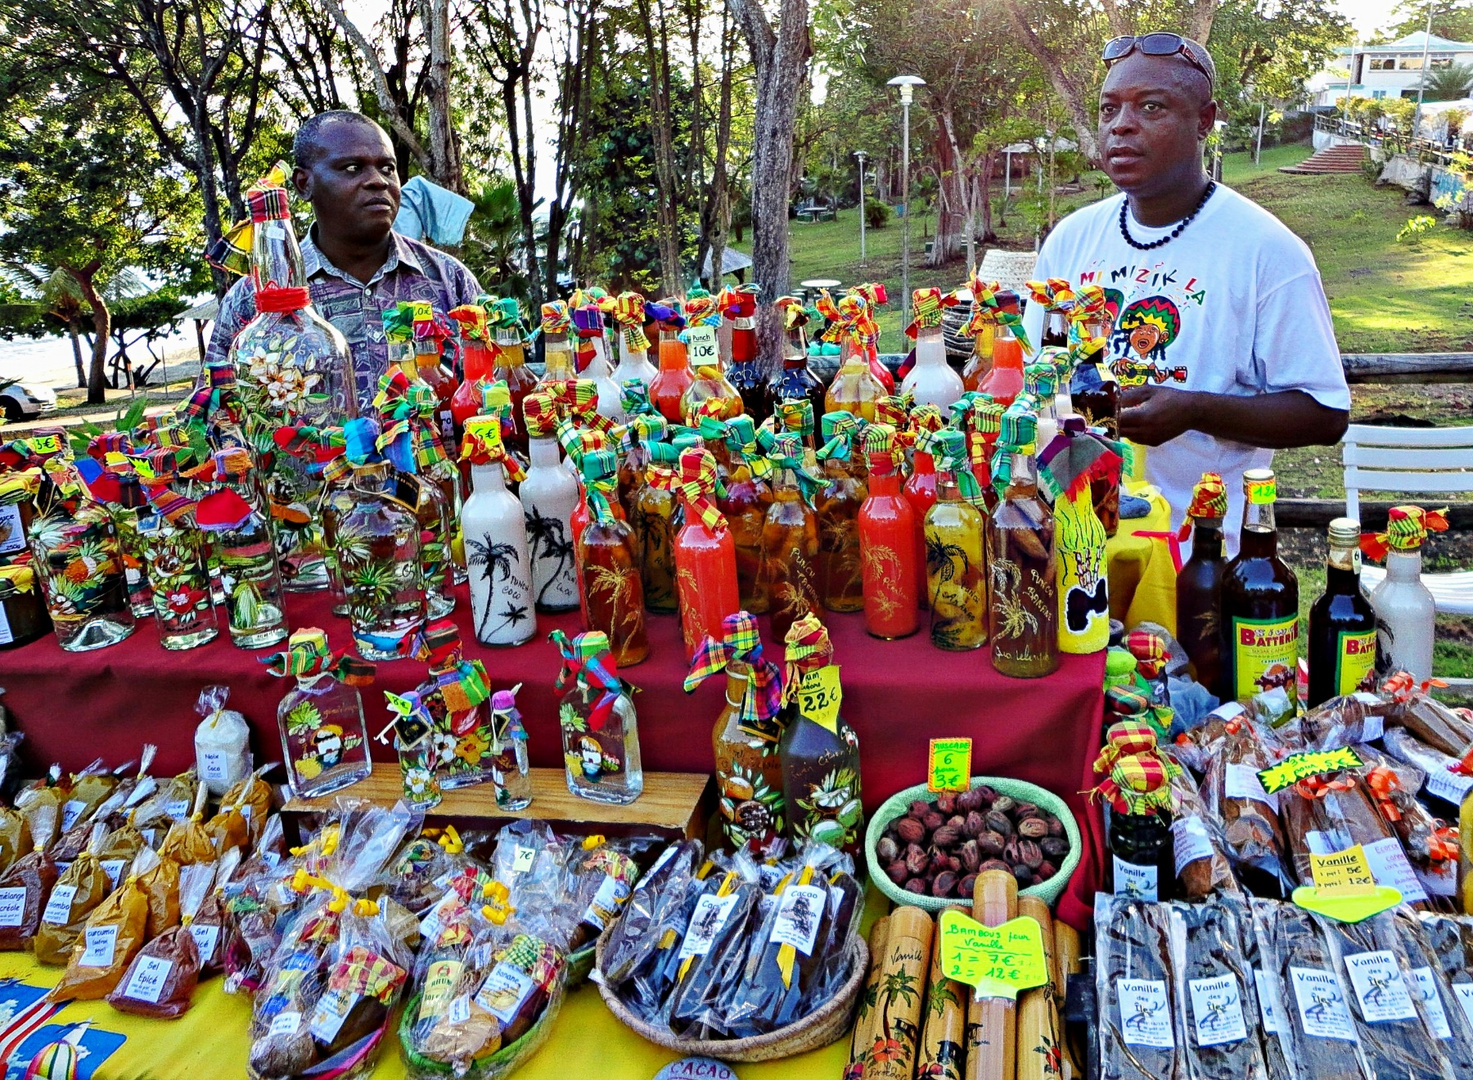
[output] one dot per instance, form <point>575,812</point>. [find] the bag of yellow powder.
<point>114,932</point>
<point>80,888</point>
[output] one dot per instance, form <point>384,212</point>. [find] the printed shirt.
<point>1234,305</point>
<point>412,271</point>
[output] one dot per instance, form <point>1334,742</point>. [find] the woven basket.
<point>830,1023</point>
<point>502,1063</point>
<point>580,964</point>
<point>898,804</point>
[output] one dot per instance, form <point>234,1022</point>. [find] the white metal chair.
<point>1423,461</point>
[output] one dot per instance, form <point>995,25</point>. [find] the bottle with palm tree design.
<point>241,538</point>
<point>743,469</point>
<point>653,520</point>
<point>1025,598</point>
<point>613,595</point>
<point>705,554</point>
<point>493,523</point>
<point>790,536</point>
<point>887,541</point>
<point>549,496</point>
<point>596,715</point>
<point>846,486</point>
<point>956,549</point>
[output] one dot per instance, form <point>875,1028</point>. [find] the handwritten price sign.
<point>819,696</point>
<point>997,960</point>
<point>951,765</point>
<point>700,346</point>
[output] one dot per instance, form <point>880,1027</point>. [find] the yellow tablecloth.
<point>210,1042</point>
<point>1141,570</point>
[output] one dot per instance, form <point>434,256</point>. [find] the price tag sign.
<point>1343,873</point>
<point>951,765</point>
<point>700,346</point>
<point>1297,767</point>
<point>997,960</point>
<point>819,696</point>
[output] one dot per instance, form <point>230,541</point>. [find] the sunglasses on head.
<point>1158,44</point>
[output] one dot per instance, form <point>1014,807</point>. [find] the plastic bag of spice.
<point>79,889</point>
<point>1234,794</point>
<point>252,797</point>
<point>78,837</point>
<point>1430,844</point>
<point>119,848</point>
<point>187,842</point>
<point>714,949</point>
<point>1395,1039</point>
<point>115,930</point>
<point>1426,943</point>
<point>1316,1031</point>
<point>160,981</point>
<point>38,798</point>
<point>1136,985</point>
<point>160,884</point>
<point>208,925</point>
<point>532,863</point>
<point>132,790</point>
<point>1217,997</point>
<point>26,886</point>
<point>1258,941</point>
<point>15,837</point>
<point>1344,721</point>
<point>228,831</point>
<point>1432,722</point>
<point>1444,784</point>
<point>1197,844</point>
<point>659,891</point>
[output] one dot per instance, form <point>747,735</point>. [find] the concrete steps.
<point>1344,158</point>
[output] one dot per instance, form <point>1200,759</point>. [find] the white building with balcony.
<point>1390,70</point>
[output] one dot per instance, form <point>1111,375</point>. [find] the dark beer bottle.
<point>1199,583</point>
<point>1342,624</point>
<point>1260,604</point>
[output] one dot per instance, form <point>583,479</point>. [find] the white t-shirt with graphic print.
<point>1234,305</point>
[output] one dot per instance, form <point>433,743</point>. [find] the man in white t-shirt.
<point>1216,303</point>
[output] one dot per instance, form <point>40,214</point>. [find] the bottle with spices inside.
<point>494,525</point>
<point>1342,623</point>
<point>599,727</point>
<point>846,486</point>
<point>790,536</point>
<point>1199,583</point>
<point>1025,601</point>
<point>982,330</point>
<point>920,487</point>
<point>613,596</point>
<point>749,776</point>
<point>558,364</point>
<point>634,347</point>
<point>654,526</point>
<point>431,332</point>
<point>873,295</point>
<point>744,466</point>
<point>705,555</point>
<point>745,370</point>
<point>675,376</point>
<point>1260,604</point>
<point>709,389</point>
<point>509,362</point>
<point>511,765</point>
<point>1137,789</point>
<point>794,380</point>
<point>1405,611</point>
<point>999,306</point>
<point>855,388</point>
<point>255,606</point>
<point>956,549</point>
<point>819,750</point>
<point>887,541</point>
<point>931,381</point>
<point>323,737</point>
<point>475,355</point>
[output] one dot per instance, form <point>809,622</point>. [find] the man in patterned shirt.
<point>356,264</point>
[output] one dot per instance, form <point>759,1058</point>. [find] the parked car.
<point>25,400</point>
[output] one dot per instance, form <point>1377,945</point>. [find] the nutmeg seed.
<point>934,821</point>
<point>945,804</point>
<point>991,843</point>
<point>1033,828</point>
<point>1054,847</point>
<point>910,830</point>
<point>973,824</point>
<point>887,850</point>
<point>999,823</point>
<point>1029,854</point>
<point>919,809</point>
<point>916,885</point>
<point>971,856</point>
<point>946,837</point>
<point>944,885</point>
<point>994,864</point>
<point>1046,870</point>
<point>897,871</point>
<point>1004,804</point>
<point>967,886</point>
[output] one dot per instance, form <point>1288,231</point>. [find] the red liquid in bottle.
<point>887,542</point>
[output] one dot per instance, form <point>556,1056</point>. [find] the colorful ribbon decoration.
<point>639,431</point>
<point>1124,737</point>
<point>894,409</point>
<point>409,438</point>
<point>795,415</point>
<point>634,397</point>
<point>600,472</point>
<point>1090,305</point>
<point>1209,498</point>
<point>700,310</point>
<point>795,315</point>
<point>471,318</point>
<point>807,648</point>
<point>232,252</point>
<point>628,311</point>
<point>841,433</point>
<point>216,393</point>
<point>482,445</point>
<point>740,643</point>
<point>504,313</point>
<point>587,658</point>
<point>1320,787</point>
<point>1149,652</point>
<point>879,442</point>
<point>581,401</point>
<point>993,305</point>
<point>787,453</point>
<point>742,441</point>
<point>924,418</point>
<point>1018,435</point>
<point>462,684</point>
<point>949,451</point>
<point>1076,457</point>
<point>1406,530</point>
<point>1383,784</point>
<point>556,318</point>
<point>928,309</point>
<point>695,481</point>
<point>739,301</point>
<point>364,973</point>
<point>1055,294</point>
<point>307,654</point>
<point>19,486</point>
<point>539,409</point>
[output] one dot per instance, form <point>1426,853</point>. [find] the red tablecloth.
<point>74,707</point>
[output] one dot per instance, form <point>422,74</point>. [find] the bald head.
<point>312,138</point>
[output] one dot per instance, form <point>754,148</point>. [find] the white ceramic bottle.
<point>1405,615</point>
<point>495,532</point>
<point>549,496</point>
<point>932,380</point>
<point>634,364</point>
<point>610,402</point>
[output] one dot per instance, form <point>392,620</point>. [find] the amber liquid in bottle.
<point>1055,330</point>
<point>1260,606</point>
<point>789,556</point>
<point>840,568</point>
<point>956,569</point>
<point>1025,604</point>
<point>1199,600</point>
<point>745,506</point>
<point>654,528</point>
<point>1342,623</point>
<point>613,598</point>
<point>749,774</point>
<point>980,362</point>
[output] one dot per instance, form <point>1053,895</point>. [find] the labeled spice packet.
<point>1137,985</point>
<point>1217,995</point>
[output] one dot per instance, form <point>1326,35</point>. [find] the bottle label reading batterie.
<point>1355,661</point>
<point>1265,655</point>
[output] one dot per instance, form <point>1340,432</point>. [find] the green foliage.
<point>1453,21</point>
<point>876,214</point>
<point>1449,84</point>
<point>493,240</point>
<point>1266,50</point>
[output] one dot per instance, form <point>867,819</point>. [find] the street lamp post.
<point>861,155</point>
<point>907,85</point>
<point>1422,82</point>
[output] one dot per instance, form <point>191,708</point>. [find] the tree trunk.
<point>101,327</point>
<point>444,148</point>
<point>1067,89</point>
<point>720,218</point>
<point>667,225</point>
<point>73,333</point>
<point>982,197</point>
<point>952,209</point>
<point>778,59</point>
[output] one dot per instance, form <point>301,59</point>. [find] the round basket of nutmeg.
<point>926,849</point>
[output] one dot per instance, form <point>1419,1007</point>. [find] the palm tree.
<point>1450,83</point>
<point>548,539</point>
<point>492,559</point>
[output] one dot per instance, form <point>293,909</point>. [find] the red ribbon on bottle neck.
<point>282,300</point>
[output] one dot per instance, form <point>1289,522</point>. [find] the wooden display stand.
<point>672,804</point>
